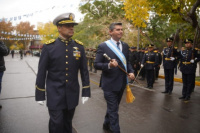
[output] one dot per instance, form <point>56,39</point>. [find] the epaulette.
<point>175,47</point>
<point>77,41</point>
<point>155,51</point>
<point>50,41</point>
<point>146,52</point>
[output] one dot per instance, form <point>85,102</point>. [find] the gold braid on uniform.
<point>84,87</point>
<point>50,41</point>
<point>79,42</point>
<point>39,88</point>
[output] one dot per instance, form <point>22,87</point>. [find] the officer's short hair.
<point>112,26</point>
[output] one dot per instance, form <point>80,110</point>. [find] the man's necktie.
<point>118,45</point>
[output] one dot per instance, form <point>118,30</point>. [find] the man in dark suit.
<point>113,80</point>
<point>59,64</point>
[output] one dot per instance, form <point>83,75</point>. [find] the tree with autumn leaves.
<point>183,15</point>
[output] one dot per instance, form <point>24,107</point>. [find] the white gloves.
<point>142,65</point>
<point>84,99</point>
<point>41,102</point>
<point>172,58</point>
<point>192,61</point>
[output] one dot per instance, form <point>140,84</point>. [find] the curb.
<point>179,80</point>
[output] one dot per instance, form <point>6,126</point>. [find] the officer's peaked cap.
<point>133,47</point>
<point>188,41</point>
<point>65,18</point>
<point>150,45</point>
<point>169,39</point>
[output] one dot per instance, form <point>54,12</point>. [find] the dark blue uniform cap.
<point>133,47</point>
<point>188,41</point>
<point>169,39</point>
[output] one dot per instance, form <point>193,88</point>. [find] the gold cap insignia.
<point>70,17</point>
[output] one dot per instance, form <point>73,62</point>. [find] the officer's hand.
<point>84,99</point>
<point>172,58</point>
<point>142,65</point>
<point>192,61</point>
<point>131,76</point>
<point>41,102</point>
<point>113,63</point>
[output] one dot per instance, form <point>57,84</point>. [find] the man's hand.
<point>172,58</point>
<point>41,102</point>
<point>84,99</point>
<point>192,61</point>
<point>142,65</point>
<point>131,76</point>
<point>113,63</point>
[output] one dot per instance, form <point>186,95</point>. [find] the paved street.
<point>151,112</point>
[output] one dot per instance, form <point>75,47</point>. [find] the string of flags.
<point>15,18</point>
<point>22,36</point>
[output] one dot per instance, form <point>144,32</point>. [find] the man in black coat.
<point>4,51</point>
<point>113,80</point>
<point>188,63</point>
<point>59,65</point>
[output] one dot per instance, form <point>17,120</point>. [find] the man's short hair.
<point>112,26</point>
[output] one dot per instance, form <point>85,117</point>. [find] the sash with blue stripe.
<point>119,54</point>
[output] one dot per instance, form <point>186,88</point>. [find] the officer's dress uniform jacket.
<point>112,79</point>
<point>167,53</point>
<point>59,65</point>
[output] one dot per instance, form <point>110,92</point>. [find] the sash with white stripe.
<point>119,54</point>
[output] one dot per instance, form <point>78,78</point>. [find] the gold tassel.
<point>129,95</point>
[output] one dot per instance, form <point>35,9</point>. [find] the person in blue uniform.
<point>150,61</point>
<point>113,80</point>
<point>169,62</point>
<point>188,61</point>
<point>57,76</point>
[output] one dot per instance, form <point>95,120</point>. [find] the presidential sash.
<point>119,54</point>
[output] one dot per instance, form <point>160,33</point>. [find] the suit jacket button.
<point>66,62</point>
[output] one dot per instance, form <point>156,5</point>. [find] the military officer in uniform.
<point>188,59</point>
<point>169,63</point>
<point>133,58</point>
<point>58,68</point>
<point>113,80</point>
<point>157,68</point>
<point>150,60</point>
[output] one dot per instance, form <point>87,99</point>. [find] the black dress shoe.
<point>187,99</point>
<point>182,97</point>
<point>150,87</point>
<point>170,92</point>
<point>165,92</point>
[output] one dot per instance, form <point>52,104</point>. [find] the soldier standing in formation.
<point>150,60</point>
<point>133,58</point>
<point>140,57</point>
<point>157,68</point>
<point>59,64</point>
<point>188,63</point>
<point>169,55</point>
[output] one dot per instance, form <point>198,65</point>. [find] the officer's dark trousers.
<point>1,76</point>
<point>188,84</point>
<point>157,72</point>
<point>169,79</point>
<point>61,121</point>
<point>150,77</point>
<point>113,99</point>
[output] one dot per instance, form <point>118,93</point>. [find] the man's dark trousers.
<point>61,121</point>
<point>169,79</point>
<point>188,84</point>
<point>113,99</point>
<point>150,77</point>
